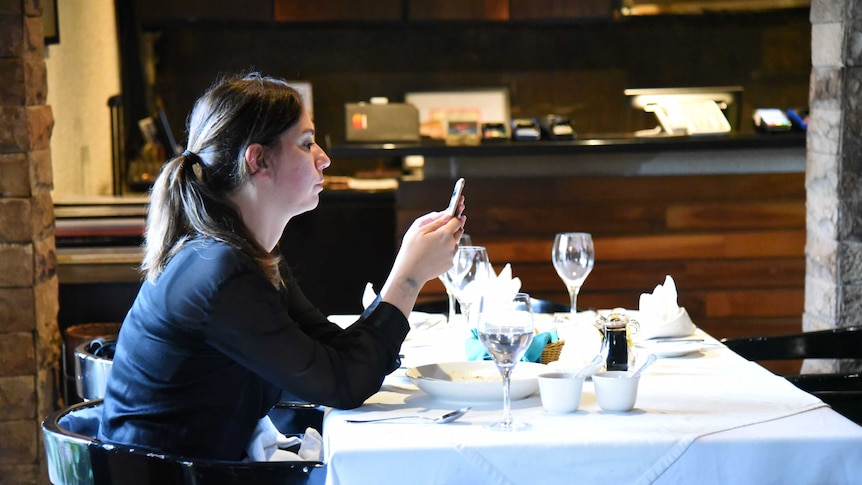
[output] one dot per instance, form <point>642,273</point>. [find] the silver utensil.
<point>648,363</point>
<point>446,418</point>
<point>589,369</point>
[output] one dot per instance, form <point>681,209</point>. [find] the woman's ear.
<point>254,158</point>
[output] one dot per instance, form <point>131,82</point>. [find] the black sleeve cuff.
<point>388,320</point>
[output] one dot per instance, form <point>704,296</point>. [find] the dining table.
<point>703,415</point>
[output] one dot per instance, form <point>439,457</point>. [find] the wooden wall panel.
<point>336,10</point>
<point>172,11</point>
<point>423,10</point>
<point>735,215</point>
<point>660,247</point>
<point>561,9</point>
<point>695,274</point>
<point>734,244</point>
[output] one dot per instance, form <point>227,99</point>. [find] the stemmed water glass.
<point>573,256</point>
<point>470,269</point>
<point>506,330</point>
<point>446,279</point>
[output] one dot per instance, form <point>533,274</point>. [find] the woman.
<point>220,328</point>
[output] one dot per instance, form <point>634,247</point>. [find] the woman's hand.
<point>429,246</point>
<point>426,252</point>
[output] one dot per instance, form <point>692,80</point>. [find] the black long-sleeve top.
<point>207,350</point>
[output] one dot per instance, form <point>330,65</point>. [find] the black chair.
<point>539,306</point>
<point>75,457</point>
<point>433,306</point>
<point>548,306</point>
<point>842,391</point>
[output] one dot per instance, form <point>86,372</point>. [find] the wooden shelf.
<point>432,148</point>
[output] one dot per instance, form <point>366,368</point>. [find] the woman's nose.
<point>323,160</point>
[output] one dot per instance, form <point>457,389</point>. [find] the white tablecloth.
<point>707,417</point>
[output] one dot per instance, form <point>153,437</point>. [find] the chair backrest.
<point>93,362</point>
<point>120,465</point>
<point>67,451</point>
<point>839,343</point>
<point>76,457</point>
<point>845,402</point>
<point>548,306</point>
<point>538,306</point>
<point>843,391</point>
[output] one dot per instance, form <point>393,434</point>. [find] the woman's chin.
<point>312,204</point>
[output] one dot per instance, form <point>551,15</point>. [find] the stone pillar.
<point>29,335</point>
<point>833,280</point>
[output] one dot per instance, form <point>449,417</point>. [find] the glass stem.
<point>451,304</point>
<point>507,408</point>
<point>465,311</point>
<point>573,295</point>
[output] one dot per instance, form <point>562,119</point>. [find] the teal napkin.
<point>476,351</point>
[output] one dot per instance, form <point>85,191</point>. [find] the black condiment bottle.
<point>615,345</point>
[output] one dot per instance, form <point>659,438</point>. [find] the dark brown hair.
<point>190,195</point>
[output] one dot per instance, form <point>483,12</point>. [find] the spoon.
<point>648,363</point>
<point>446,418</point>
<point>589,367</point>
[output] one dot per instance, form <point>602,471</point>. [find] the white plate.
<point>671,349</point>
<point>415,319</point>
<point>472,381</point>
<point>422,319</point>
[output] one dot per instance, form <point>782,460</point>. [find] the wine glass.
<point>506,330</point>
<point>470,269</point>
<point>573,256</point>
<point>447,280</point>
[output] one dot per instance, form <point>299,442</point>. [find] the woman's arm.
<point>426,252</point>
<point>249,323</point>
<point>309,318</point>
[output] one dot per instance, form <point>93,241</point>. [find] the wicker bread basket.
<point>551,352</point>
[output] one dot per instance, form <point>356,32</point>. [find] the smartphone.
<point>456,196</point>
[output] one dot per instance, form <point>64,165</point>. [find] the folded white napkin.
<point>311,448</point>
<point>659,314</point>
<point>661,304</point>
<point>501,285</point>
<point>583,340</point>
<point>266,443</point>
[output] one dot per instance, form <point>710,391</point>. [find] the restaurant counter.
<point>606,155</point>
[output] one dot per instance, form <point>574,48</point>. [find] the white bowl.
<point>473,381</point>
<point>560,391</point>
<point>616,390</point>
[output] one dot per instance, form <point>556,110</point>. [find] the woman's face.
<point>298,167</point>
